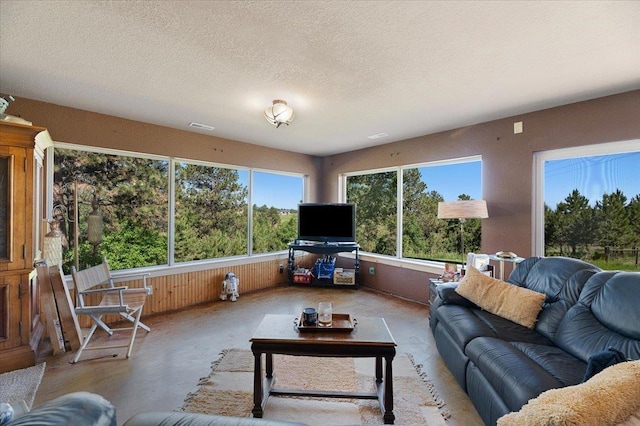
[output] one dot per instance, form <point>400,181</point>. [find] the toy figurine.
<point>230,287</point>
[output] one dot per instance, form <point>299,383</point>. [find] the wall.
<point>88,128</point>
<point>506,172</point>
<point>507,161</point>
<point>179,291</point>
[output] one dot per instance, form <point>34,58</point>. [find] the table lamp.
<point>462,210</point>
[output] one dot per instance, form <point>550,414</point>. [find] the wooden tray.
<point>340,322</point>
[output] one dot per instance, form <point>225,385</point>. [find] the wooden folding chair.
<point>121,300</point>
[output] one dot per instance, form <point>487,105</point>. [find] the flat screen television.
<point>327,222</point>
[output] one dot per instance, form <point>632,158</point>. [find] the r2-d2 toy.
<point>230,287</point>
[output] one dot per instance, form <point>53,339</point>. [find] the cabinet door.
<point>15,192</point>
<point>12,312</point>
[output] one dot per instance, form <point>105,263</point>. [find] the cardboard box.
<point>344,276</point>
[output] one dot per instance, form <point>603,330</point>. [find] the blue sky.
<point>452,180</point>
<point>592,176</point>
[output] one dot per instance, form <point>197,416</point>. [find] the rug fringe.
<point>430,387</point>
<point>204,380</point>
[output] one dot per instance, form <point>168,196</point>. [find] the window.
<point>423,235</point>
<point>275,201</point>
<point>211,218</point>
<point>588,204</point>
<point>205,214</point>
<point>375,197</point>
<point>132,195</point>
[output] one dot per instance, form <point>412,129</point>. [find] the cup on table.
<point>309,316</point>
<point>325,314</point>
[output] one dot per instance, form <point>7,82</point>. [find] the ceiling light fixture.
<point>279,113</point>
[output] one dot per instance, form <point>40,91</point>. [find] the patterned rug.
<point>21,385</point>
<point>228,390</point>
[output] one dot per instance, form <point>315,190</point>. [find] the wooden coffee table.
<point>279,334</point>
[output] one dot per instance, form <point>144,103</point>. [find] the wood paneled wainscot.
<point>21,154</point>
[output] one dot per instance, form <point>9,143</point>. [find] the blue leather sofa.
<point>502,365</point>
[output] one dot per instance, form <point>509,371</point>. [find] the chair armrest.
<point>104,290</point>
<point>130,277</point>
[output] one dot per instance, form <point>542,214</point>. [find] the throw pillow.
<point>509,301</point>
<point>608,398</point>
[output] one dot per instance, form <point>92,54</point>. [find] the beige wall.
<point>507,160</point>
<point>507,165</point>
<point>88,128</point>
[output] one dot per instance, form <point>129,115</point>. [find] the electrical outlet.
<point>281,269</point>
<point>372,270</point>
<point>149,290</point>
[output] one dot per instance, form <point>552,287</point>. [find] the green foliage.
<point>593,233</point>
<point>424,236</point>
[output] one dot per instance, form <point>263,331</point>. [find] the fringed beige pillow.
<point>608,398</point>
<point>509,301</point>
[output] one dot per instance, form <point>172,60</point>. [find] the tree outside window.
<point>424,236</point>
<point>132,195</point>
<point>592,207</point>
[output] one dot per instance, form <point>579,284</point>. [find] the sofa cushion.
<point>561,279</point>
<point>608,398</point>
<point>518,376</point>
<point>464,324</point>
<point>76,408</point>
<point>606,315</point>
<point>509,301</point>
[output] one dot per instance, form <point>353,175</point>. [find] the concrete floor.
<point>166,364</point>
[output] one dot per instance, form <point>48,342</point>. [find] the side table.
<point>502,260</point>
<point>433,288</point>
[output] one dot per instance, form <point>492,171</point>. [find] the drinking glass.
<point>325,314</point>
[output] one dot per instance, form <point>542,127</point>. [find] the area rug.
<point>21,385</point>
<point>228,390</point>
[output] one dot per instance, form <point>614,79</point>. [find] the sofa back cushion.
<point>606,315</point>
<point>560,279</point>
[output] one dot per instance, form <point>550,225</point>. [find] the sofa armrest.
<point>448,296</point>
<point>174,418</point>
<point>77,408</point>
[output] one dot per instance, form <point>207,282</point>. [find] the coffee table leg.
<point>378,369</point>
<point>257,385</point>
<point>269,364</point>
<point>388,417</point>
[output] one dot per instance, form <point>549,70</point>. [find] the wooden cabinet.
<point>21,177</point>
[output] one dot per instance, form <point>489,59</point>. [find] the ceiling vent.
<point>201,126</point>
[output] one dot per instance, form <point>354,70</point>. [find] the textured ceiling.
<point>349,69</point>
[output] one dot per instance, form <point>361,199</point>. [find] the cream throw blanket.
<point>610,397</point>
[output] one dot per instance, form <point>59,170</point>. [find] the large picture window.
<point>422,235</point>
<point>162,211</point>
<point>210,212</point>
<point>375,197</point>
<point>275,202</point>
<point>131,193</point>
<point>588,204</point>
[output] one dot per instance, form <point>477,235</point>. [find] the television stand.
<point>296,278</point>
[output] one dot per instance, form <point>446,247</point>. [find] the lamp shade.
<point>279,113</point>
<point>467,209</point>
